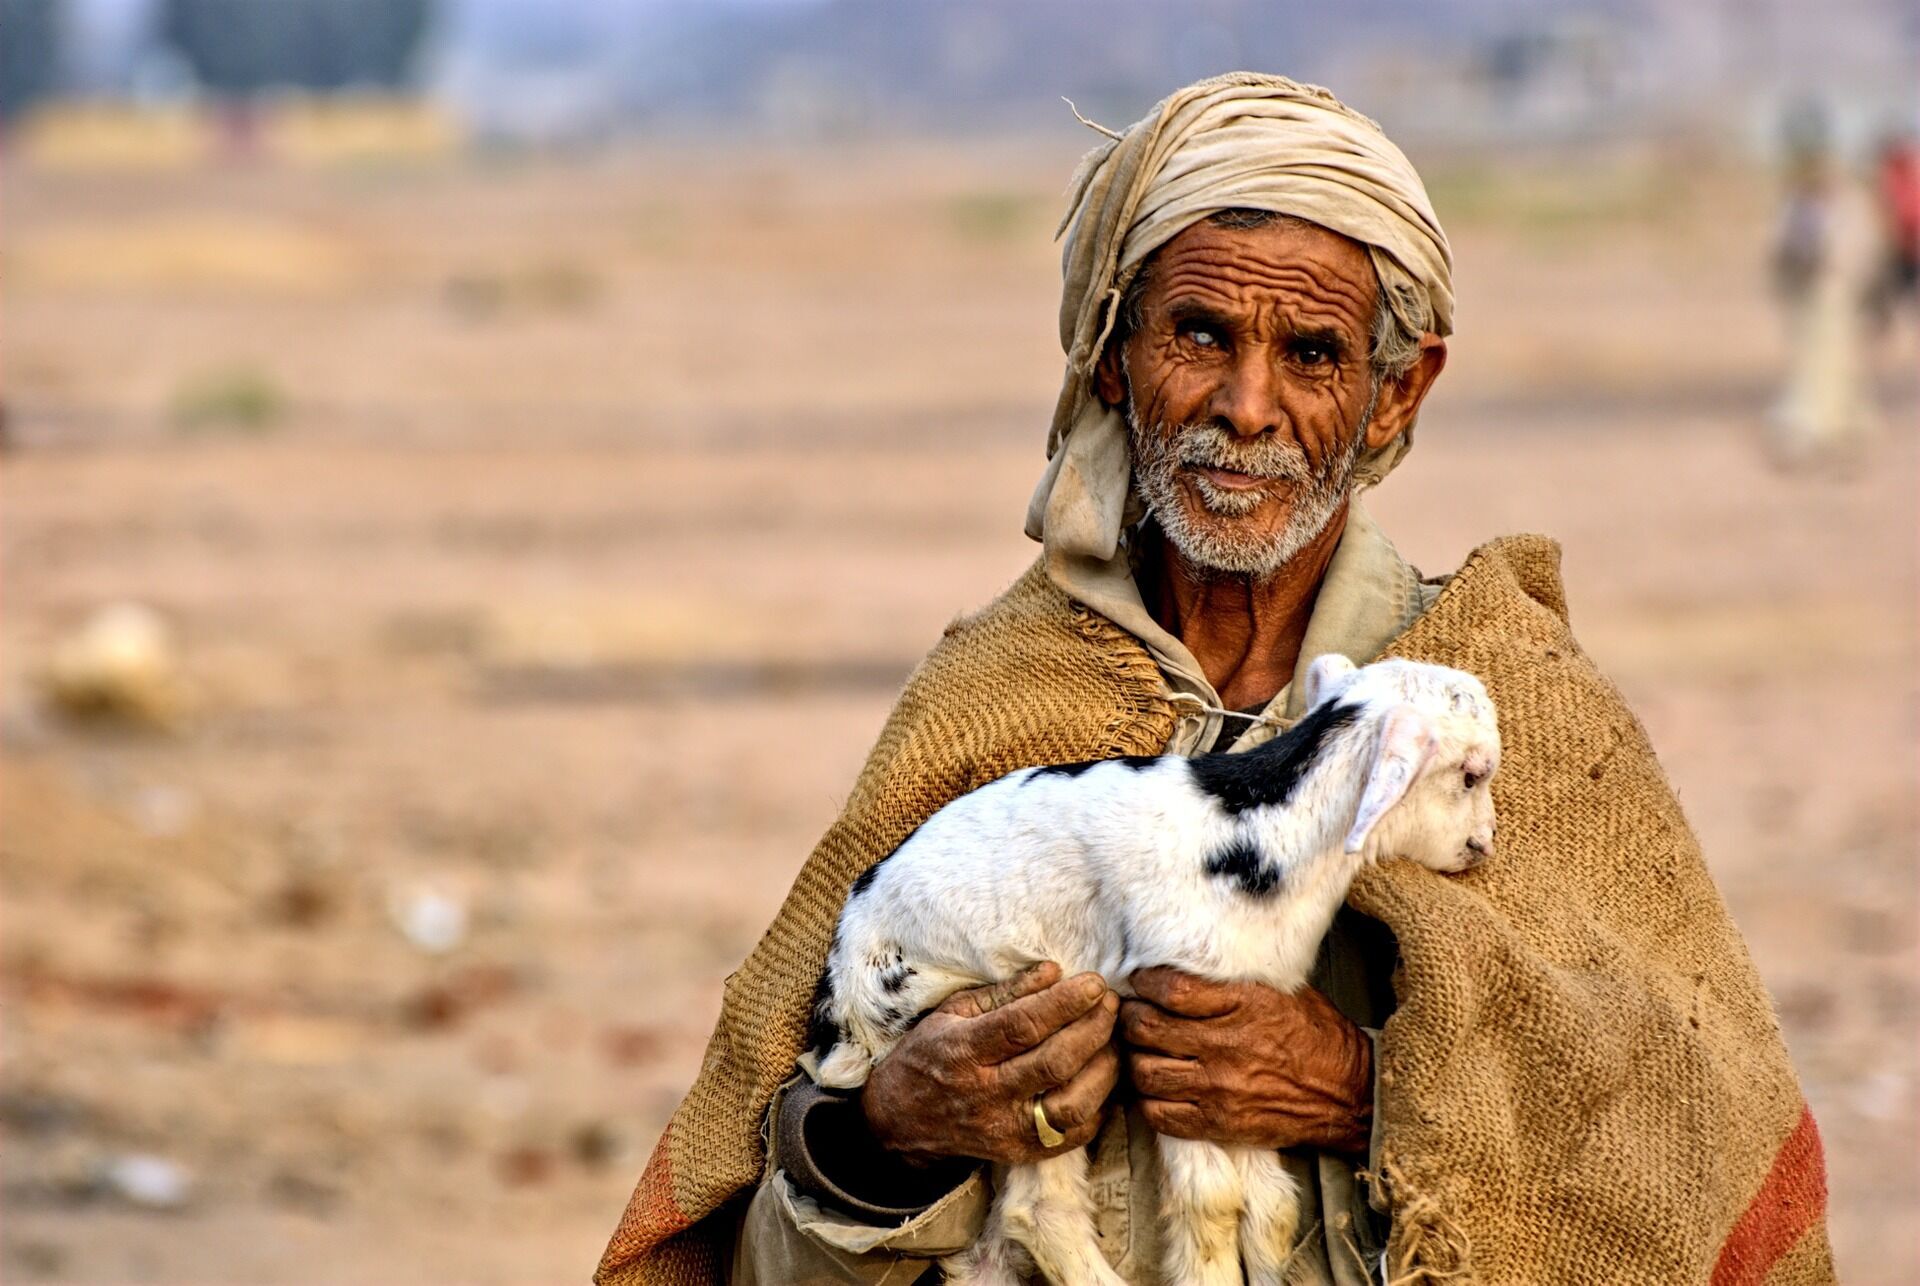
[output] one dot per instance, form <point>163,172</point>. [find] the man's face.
<point>1247,389</point>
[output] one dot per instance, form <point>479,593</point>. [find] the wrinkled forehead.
<point>1238,259</point>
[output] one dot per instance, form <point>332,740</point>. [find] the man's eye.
<point>1311,354</point>
<point>1204,336</point>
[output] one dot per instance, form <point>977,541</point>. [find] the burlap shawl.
<point>1584,1080</point>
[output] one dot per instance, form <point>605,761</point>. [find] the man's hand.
<point>1239,1063</point>
<point>962,1082</point>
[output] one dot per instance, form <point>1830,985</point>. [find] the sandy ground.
<point>544,543</point>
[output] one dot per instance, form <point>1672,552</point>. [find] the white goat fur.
<point>1106,868</point>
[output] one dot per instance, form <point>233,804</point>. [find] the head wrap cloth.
<point>1239,141</point>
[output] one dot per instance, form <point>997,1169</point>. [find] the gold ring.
<point>1049,1137</point>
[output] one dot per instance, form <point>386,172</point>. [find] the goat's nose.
<point>1481,849</point>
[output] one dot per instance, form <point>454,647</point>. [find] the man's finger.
<point>1145,1027</point>
<point>1182,993</point>
<point>1059,1058</point>
<point>1020,1025</point>
<point>997,995</point>
<point>1181,1080</point>
<point>1181,1120</point>
<point>1077,1105</point>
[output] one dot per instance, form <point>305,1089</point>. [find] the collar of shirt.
<point>1370,595</point>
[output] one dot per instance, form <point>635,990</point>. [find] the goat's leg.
<point>1271,1216</point>
<point>992,1260</point>
<point>1200,1202</point>
<point>1043,1210</point>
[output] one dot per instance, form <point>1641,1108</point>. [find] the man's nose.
<point>1248,400</point>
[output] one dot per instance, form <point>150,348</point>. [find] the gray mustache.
<point>1273,460</point>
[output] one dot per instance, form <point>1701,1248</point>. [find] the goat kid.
<point>1230,867</point>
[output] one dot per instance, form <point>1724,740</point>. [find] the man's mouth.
<point>1229,479</point>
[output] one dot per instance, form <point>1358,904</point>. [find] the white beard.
<point>1229,547</point>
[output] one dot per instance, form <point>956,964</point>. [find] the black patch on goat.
<point>896,1019</point>
<point>823,1033</point>
<point>865,879</point>
<point>894,975</point>
<point>1271,773</point>
<point>1244,864</point>
<point>1135,762</point>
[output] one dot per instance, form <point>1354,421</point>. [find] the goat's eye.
<point>1472,778</point>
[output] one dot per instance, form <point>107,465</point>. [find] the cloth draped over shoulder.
<point>1583,1081</point>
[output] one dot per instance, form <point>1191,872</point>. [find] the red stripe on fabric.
<point>1790,1201</point>
<point>651,1216</point>
<point>655,1192</point>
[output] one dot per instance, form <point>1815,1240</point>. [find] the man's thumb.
<point>984,1000</point>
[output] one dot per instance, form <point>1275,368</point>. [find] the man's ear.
<point>1400,399</point>
<point>1110,376</point>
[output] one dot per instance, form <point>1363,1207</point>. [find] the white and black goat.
<point>1230,867</point>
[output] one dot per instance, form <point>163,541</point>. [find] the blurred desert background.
<point>532,540</point>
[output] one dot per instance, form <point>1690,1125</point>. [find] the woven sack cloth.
<point>1583,1082</point>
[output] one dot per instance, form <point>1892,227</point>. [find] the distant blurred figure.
<point>1824,266</point>
<point>1897,191</point>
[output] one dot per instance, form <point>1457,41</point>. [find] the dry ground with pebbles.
<point>546,541</point>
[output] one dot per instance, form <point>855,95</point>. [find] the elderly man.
<point>1558,1068</point>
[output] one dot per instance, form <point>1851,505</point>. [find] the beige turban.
<point>1241,141</point>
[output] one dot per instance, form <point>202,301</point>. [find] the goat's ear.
<point>1327,669</point>
<point>1406,744</point>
